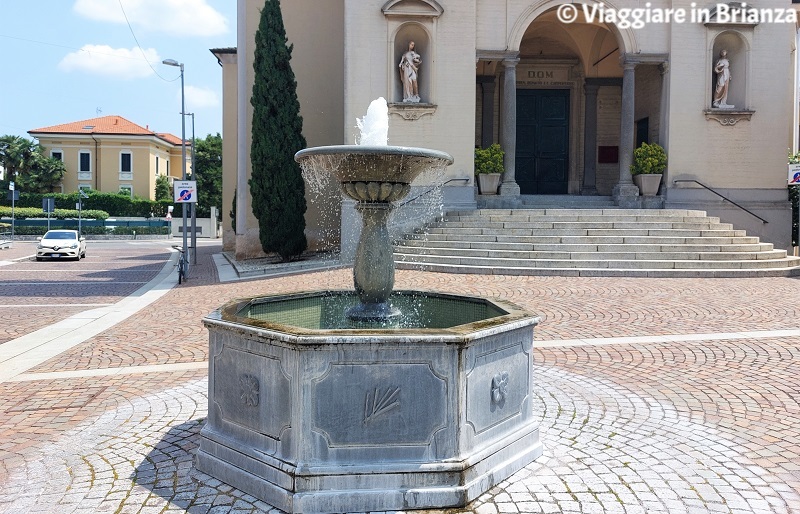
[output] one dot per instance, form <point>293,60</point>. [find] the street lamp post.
<point>193,259</point>
<point>173,62</point>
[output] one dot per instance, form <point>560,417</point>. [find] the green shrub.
<point>489,160</point>
<point>649,159</point>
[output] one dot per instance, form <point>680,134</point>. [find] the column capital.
<point>511,62</point>
<point>590,89</point>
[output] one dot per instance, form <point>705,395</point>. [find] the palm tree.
<point>24,161</point>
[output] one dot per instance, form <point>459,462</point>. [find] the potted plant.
<point>488,168</point>
<point>649,162</point>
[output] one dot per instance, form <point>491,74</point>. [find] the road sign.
<point>11,186</point>
<point>83,193</point>
<point>48,204</point>
<point>794,174</point>
<point>185,191</point>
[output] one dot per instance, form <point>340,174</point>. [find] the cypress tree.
<point>276,183</point>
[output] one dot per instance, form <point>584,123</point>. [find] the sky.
<point>72,60</point>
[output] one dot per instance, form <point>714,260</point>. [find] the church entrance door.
<point>542,141</point>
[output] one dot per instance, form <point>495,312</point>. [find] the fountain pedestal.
<point>369,420</point>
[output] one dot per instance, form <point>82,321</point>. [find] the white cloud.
<point>200,98</point>
<point>175,17</point>
<point>120,63</point>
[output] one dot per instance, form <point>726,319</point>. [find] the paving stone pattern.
<point>692,426</point>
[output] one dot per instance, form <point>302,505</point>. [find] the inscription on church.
<point>543,76</point>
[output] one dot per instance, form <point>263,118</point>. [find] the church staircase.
<point>590,242</point>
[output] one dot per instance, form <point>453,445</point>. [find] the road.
<point>35,294</point>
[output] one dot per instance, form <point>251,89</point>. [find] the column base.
<point>626,196</point>
<point>509,189</point>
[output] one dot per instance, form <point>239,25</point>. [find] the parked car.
<point>61,244</point>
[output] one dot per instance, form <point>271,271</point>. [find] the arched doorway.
<point>567,106</point>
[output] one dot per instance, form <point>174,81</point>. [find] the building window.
<point>58,155</point>
<point>127,190</point>
<point>125,165</point>
<point>157,162</point>
<point>85,187</point>
<point>85,165</point>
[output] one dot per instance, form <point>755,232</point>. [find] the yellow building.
<point>112,154</point>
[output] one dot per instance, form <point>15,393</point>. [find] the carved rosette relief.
<point>248,390</point>
<point>500,387</point>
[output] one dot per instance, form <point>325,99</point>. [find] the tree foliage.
<point>276,183</point>
<point>163,192</point>
<point>25,162</point>
<point>208,173</point>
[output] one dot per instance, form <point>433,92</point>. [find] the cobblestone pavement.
<point>655,395</point>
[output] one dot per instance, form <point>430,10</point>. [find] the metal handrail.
<point>722,196</point>
<point>431,190</point>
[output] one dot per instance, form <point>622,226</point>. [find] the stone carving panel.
<point>380,404</point>
<point>258,386</point>
<point>497,387</point>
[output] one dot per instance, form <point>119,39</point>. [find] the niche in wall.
<point>413,32</point>
<point>736,47</point>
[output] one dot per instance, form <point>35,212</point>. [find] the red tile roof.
<point>106,125</point>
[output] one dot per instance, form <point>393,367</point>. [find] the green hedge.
<point>118,231</point>
<point>117,205</point>
<point>22,213</point>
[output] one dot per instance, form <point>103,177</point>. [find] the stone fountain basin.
<point>368,419</point>
<point>356,163</point>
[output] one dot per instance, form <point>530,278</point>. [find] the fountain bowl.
<point>320,416</point>
<point>357,163</point>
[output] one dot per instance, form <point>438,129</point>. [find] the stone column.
<point>590,141</point>
<point>487,110</point>
<point>508,136</point>
<point>243,100</point>
<point>663,121</point>
<point>625,191</point>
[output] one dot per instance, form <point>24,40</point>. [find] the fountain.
<point>372,399</point>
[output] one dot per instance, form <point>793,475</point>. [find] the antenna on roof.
<point>99,111</point>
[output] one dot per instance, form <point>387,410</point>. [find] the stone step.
<point>585,239</point>
<point>544,247</point>
<point>581,212</point>
<point>624,253</point>
<point>607,224</point>
<point>518,218</point>
<point>590,242</point>
<point>622,264</point>
<point>577,230</point>
<point>603,272</point>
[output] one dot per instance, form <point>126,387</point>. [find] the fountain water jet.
<point>425,405</point>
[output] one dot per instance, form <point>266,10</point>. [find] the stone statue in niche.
<point>723,70</point>
<point>409,68</point>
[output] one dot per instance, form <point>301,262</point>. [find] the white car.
<point>61,244</point>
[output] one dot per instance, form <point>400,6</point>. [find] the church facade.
<point>568,89</point>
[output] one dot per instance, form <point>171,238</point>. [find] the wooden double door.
<point>542,157</point>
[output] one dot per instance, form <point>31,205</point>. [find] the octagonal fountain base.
<point>311,412</point>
